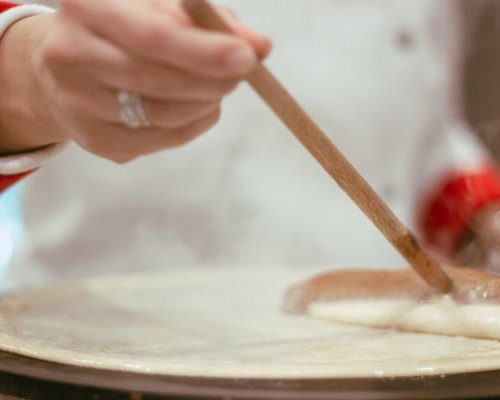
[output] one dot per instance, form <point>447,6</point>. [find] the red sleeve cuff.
<point>5,5</point>
<point>446,216</point>
<point>9,180</point>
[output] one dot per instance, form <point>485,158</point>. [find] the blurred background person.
<point>480,244</point>
<point>382,78</point>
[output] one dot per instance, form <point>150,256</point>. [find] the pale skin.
<point>60,73</point>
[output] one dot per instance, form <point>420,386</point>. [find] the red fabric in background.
<point>450,211</point>
<point>4,5</point>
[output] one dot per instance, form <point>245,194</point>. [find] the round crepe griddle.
<point>220,332</point>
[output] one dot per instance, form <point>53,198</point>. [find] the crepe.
<point>398,299</point>
<point>217,322</point>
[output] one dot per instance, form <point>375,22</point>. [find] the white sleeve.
<point>12,15</point>
<point>23,162</point>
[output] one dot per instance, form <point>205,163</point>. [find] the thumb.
<point>261,43</point>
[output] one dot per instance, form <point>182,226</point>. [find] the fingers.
<point>135,143</point>
<point>92,57</point>
<point>140,29</point>
<point>90,113</point>
<point>189,48</point>
<point>96,49</point>
<point>154,80</point>
<point>161,113</point>
<point>177,115</point>
<point>260,43</point>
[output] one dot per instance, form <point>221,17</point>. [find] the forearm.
<point>25,122</point>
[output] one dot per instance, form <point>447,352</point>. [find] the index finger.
<point>139,28</point>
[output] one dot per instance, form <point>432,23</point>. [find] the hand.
<point>480,245</point>
<point>90,50</point>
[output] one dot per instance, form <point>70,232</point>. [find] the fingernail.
<point>240,60</point>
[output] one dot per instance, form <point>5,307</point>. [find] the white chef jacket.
<point>381,79</point>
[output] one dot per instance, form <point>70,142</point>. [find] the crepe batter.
<point>441,315</point>
<point>217,323</point>
<point>399,299</point>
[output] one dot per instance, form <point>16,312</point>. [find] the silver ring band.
<point>131,111</point>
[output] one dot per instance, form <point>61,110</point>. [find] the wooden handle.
<point>330,158</point>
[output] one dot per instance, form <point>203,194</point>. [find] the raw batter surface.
<point>217,323</point>
<point>399,299</point>
<point>440,315</point>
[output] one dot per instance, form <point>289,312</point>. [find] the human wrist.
<point>25,121</point>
